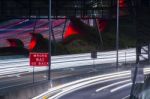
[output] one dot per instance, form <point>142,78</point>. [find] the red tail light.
<point>71,30</point>
<point>32,44</point>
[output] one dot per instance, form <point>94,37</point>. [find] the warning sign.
<point>39,59</point>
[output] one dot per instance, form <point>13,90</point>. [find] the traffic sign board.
<point>39,59</point>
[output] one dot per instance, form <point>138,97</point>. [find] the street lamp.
<point>117,34</point>
<point>50,28</point>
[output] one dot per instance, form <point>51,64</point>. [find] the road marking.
<point>126,97</point>
<point>120,87</point>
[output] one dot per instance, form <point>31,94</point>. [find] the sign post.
<point>38,59</point>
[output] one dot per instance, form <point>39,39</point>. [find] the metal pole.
<point>134,81</point>
<point>148,52</point>
<point>64,29</point>
<point>34,32</point>
<point>117,34</point>
<point>100,35</point>
<point>49,69</point>
<point>33,74</point>
<point>125,58</point>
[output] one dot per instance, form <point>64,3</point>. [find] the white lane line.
<point>113,84</point>
<point>126,97</point>
<point>120,87</point>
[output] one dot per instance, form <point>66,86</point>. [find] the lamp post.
<point>117,34</point>
<point>50,28</point>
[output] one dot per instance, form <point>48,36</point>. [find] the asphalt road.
<point>107,93</point>
<point>60,76</point>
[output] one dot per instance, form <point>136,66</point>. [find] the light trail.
<point>68,61</point>
<point>63,61</point>
<point>126,97</point>
<point>113,84</point>
<point>120,87</point>
<point>86,82</point>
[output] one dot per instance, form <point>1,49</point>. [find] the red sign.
<point>39,59</point>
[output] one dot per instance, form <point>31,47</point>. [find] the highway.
<point>119,90</point>
<point>114,85</point>
<point>59,76</point>
<point>16,71</point>
<point>12,65</point>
